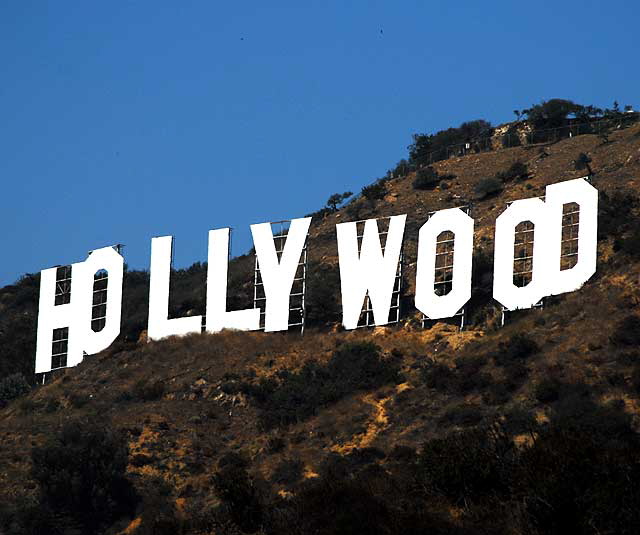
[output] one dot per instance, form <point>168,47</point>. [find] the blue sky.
<point>120,121</point>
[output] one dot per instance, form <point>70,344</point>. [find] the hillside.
<point>528,428</point>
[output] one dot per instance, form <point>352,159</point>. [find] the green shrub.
<point>497,393</point>
<point>439,376</point>
<point>463,414</point>
<point>402,168</point>
<point>518,347</point>
<point>337,199</point>
<point>78,399</point>
<point>375,191</point>
<point>517,171</point>
<point>145,390</point>
<point>17,334</point>
<point>426,178</point>
<point>159,515</point>
<point>574,479</point>
<point>548,390</point>
<point>345,505</point>
<point>635,380</point>
<point>238,493</point>
<point>582,162</point>
<point>295,396</point>
<point>516,373</point>
<point>629,244</point>
<point>616,214</point>
<point>487,187</point>
<point>464,378</point>
<point>275,444</point>
<point>468,464</point>
<point>81,473</point>
<point>288,472</point>
<point>12,387</point>
<point>627,331</point>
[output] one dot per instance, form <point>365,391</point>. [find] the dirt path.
<point>378,423</point>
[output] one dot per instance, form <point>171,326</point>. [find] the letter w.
<point>370,270</point>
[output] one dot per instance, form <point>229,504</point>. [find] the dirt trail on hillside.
<point>379,422</point>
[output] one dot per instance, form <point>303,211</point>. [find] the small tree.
<point>337,199</point>
<point>582,162</point>
<point>402,168</point>
<point>551,113</point>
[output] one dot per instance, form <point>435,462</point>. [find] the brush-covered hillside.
<point>529,428</point>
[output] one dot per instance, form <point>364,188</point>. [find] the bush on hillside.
<point>463,415</point>
<point>582,162</point>
<point>627,331</point>
<point>375,191</point>
<point>81,473</point>
<point>548,389</point>
<point>616,213</point>
<point>238,493</point>
<point>148,390</point>
<point>488,187</point>
<point>18,342</point>
<point>295,396</point>
<point>468,464</point>
<point>12,387</point>
<point>426,178</point>
<point>517,171</point>
<point>288,471</point>
<point>159,515</point>
<point>518,348</point>
<point>466,377</point>
<point>629,244</point>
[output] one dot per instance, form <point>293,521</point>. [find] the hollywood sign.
<point>367,270</point>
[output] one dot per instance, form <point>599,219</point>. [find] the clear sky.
<point>120,121</point>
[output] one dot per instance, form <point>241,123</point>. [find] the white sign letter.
<point>547,278</point>
<point>159,325</point>
<point>582,193</point>
<point>371,270</point>
<point>277,275</point>
<point>427,301</point>
<point>218,265</point>
<point>76,315</point>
